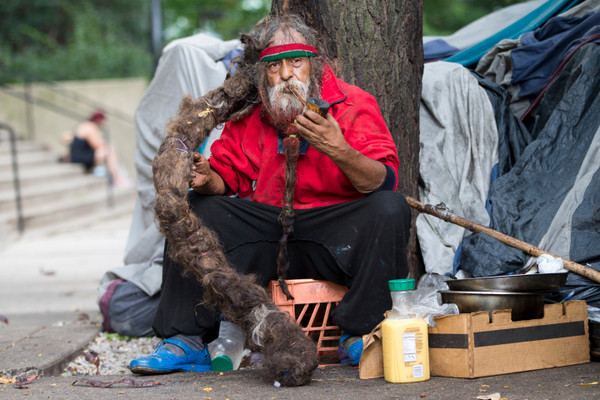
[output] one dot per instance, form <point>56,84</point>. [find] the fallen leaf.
<point>588,384</point>
<point>47,272</point>
<point>493,396</point>
<point>207,389</point>
<point>21,382</point>
<point>4,380</point>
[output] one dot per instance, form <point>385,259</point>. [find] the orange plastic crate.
<point>311,309</point>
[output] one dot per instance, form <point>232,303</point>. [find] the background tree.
<point>376,45</point>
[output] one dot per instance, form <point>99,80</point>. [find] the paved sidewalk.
<point>57,272</point>
<point>48,293</point>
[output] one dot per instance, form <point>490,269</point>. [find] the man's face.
<point>288,69</point>
<point>281,71</point>
<point>280,103</point>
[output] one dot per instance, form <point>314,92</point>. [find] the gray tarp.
<point>187,66</point>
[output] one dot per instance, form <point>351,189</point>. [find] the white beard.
<point>284,107</point>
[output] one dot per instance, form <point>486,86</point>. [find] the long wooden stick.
<point>443,213</point>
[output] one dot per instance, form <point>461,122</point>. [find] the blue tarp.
<point>529,22</point>
<point>544,185</point>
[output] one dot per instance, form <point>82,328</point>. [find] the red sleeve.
<point>229,160</point>
<point>365,130</point>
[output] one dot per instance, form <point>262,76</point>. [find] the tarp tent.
<point>543,183</point>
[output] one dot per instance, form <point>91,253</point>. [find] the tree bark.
<point>377,45</point>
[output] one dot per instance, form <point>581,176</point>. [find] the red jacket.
<point>246,155</point>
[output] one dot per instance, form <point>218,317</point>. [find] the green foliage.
<point>47,40</point>
<point>443,17</point>
<point>223,18</point>
<point>50,40</point>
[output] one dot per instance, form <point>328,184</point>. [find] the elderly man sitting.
<point>321,197</point>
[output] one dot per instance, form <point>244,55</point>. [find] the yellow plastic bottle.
<point>405,340</point>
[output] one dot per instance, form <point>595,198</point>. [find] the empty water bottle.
<point>227,350</point>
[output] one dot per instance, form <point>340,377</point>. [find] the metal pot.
<point>511,283</point>
<point>524,305</point>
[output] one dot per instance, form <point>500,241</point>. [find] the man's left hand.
<point>324,134</point>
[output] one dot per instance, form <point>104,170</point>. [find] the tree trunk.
<point>377,45</point>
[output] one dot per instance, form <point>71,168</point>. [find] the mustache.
<point>284,89</point>
<point>282,105</point>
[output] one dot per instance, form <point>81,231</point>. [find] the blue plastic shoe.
<point>162,361</point>
<point>350,349</point>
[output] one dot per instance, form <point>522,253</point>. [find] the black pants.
<point>360,244</point>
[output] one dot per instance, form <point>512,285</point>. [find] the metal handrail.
<point>15,167</point>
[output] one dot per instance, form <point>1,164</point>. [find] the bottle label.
<point>410,347</point>
<point>418,371</point>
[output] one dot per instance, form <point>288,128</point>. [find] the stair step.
<point>34,195</point>
<point>22,146</point>
<point>81,206</point>
<point>38,158</point>
<point>32,176</point>
<point>55,196</point>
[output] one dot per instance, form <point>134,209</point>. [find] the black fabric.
<point>526,200</point>
<point>132,311</point>
<point>513,136</point>
<point>81,152</point>
<point>389,182</point>
<point>360,244</point>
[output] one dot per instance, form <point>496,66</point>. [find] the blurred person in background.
<point>88,147</point>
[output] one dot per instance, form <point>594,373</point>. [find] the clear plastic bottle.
<point>404,338</point>
<point>227,350</point>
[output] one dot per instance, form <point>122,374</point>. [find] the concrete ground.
<point>48,294</point>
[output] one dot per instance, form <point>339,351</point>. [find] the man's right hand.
<point>203,179</point>
<point>200,173</point>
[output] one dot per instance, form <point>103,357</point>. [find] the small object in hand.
<point>318,105</point>
<point>315,104</point>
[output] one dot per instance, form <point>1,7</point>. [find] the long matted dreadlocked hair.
<point>288,355</point>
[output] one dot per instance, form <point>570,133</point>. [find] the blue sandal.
<point>162,361</point>
<point>350,349</point>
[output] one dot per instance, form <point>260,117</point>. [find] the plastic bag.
<point>423,302</point>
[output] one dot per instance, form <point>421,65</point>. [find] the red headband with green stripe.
<point>287,50</point>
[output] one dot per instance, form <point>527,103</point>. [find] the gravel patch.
<point>110,354</point>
